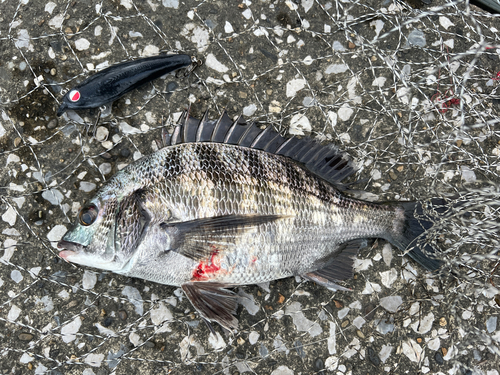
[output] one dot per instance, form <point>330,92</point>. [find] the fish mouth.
<point>69,249</point>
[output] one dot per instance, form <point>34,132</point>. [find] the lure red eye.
<point>74,95</point>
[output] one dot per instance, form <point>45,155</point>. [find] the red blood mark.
<point>74,95</point>
<point>204,270</point>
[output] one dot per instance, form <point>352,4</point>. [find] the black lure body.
<point>112,83</point>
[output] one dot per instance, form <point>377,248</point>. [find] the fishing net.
<point>408,89</point>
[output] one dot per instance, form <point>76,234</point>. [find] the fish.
<point>224,203</point>
<point>112,83</point>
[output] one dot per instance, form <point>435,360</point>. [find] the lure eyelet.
<point>88,215</point>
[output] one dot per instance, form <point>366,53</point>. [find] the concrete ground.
<point>408,89</point>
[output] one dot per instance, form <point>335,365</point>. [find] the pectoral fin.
<point>198,239</point>
<point>213,302</point>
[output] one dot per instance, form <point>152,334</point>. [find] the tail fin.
<point>413,238</point>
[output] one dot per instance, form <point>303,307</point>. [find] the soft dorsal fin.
<point>326,161</point>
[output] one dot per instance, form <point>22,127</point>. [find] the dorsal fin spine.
<point>259,136</point>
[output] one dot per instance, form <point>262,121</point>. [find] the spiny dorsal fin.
<point>325,161</point>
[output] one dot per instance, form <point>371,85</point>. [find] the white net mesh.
<point>408,90</point>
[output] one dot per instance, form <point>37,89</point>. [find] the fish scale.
<point>206,215</point>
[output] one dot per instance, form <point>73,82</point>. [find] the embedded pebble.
<point>52,124</point>
<point>332,339</point>
<point>171,4</point>
<point>388,277</point>
<point>105,168</point>
<point>54,196</point>
<point>248,302</point>
<point>26,358</point>
<point>135,339</point>
<point>294,86</point>
<point>412,350</point>
<point>55,234</point>
<point>101,133</point>
<point>253,337</point>
<point>161,314</point>
<point>16,276</point>
<point>336,68</point>
<point>87,186</point>
<point>25,336</point>
<point>358,322</point>
<point>385,352</point>
<point>345,112</point>
<point>491,324</point>
<point>299,124</point>
<point>14,313</point>
<point>94,359</point>
<point>10,216</point>
<point>82,44</point>
<point>228,28</point>
<point>300,321</point>
<point>134,298</point>
<point>68,332</point>
<point>89,280</point>
<point>212,62</point>
<point>423,325</point>
<point>216,341</point>
<point>391,303</point>
<point>249,110</point>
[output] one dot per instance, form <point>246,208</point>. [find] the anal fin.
<point>213,302</point>
<point>337,267</point>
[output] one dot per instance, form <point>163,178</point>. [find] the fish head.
<point>106,233</point>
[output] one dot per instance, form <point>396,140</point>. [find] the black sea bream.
<point>225,204</point>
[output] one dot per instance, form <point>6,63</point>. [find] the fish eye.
<point>88,215</point>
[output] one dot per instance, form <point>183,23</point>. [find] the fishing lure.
<point>112,83</point>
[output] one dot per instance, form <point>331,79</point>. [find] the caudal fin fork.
<point>414,238</point>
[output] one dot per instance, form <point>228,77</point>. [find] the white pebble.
<point>82,44</point>
<point>56,234</point>
<point>391,303</point>
<point>253,337</point>
<point>135,299</point>
<point>68,332</point>
<point>216,341</point>
<point>94,359</point>
<point>87,186</point>
<point>423,325</point>
<point>54,196</point>
<point>345,112</point>
<point>412,350</point>
<point>105,168</point>
<point>9,216</point>
<point>228,28</point>
<point>135,339</point>
<point>171,3</point>
<point>101,133</point>
<point>89,280</point>
<point>14,313</point>
<point>336,68</point>
<point>26,358</point>
<point>299,124</point>
<point>249,110</point>
<point>293,86</point>
<point>212,62</point>
<point>445,22</point>
<point>16,276</point>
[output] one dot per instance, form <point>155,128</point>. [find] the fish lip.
<point>70,246</point>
